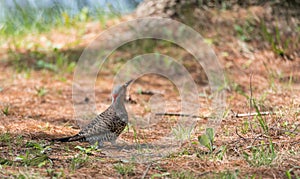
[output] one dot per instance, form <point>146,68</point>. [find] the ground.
<point>36,107</point>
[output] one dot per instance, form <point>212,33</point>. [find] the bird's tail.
<point>76,137</point>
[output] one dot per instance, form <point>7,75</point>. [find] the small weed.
<point>245,127</point>
<point>221,153</point>
<point>45,65</point>
<point>135,135</point>
<point>289,174</point>
<point>39,148</point>
<point>70,67</point>
<point>182,132</point>
<point>35,155</point>
<point>4,161</point>
<point>160,175</point>
<point>87,150</point>
<point>5,110</point>
<point>185,151</point>
<point>31,159</point>
<point>244,31</point>
<point>136,138</point>
<point>123,169</point>
<point>41,91</point>
<point>27,174</point>
<point>19,140</point>
<point>261,120</point>
<point>161,169</point>
<point>78,161</point>
<point>261,156</point>
<point>5,138</point>
<point>207,139</point>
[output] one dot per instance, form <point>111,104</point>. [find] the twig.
<point>252,114</point>
<point>177,114</point>
<point>146,171</point>
<point>147,92</point>
<point>256,138</point>
<point>295,128</point>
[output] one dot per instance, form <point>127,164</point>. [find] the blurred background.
<point>17,16</point>
<point>257,44</point>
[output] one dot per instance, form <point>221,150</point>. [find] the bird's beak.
<point>127,83</point>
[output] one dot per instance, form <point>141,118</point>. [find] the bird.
<point>108,125</point>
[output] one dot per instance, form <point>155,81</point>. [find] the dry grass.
<point>36,106</point>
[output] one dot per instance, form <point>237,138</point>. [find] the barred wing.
<point>105,126</point>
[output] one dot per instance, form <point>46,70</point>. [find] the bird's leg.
<point>100,144</point>
<point>113,142</point>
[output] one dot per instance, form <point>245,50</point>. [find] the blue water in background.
<point>72,7</point>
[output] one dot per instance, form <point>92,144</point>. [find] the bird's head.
<point>119,92</point>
